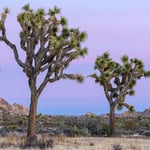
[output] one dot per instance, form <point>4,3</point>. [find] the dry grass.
<point>104,144</point>
<point>89,143</point>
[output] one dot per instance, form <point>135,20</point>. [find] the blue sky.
<point>120,27</point>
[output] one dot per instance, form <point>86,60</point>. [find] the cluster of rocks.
<point>13,110</point>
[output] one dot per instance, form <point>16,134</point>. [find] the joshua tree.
<point>118,81</point>
<point>49,47</point>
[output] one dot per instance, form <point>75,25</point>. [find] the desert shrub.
<point>41,143</point>
<point>23,120</point>
<point>59,120</point>
<point>117,147</point>
<point>11,127</point>
<point>76,131</point>
<point>105,128</point>
<point>5,145</point>
<point>129,124</point>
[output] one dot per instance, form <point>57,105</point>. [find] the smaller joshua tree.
<point>118,81</point>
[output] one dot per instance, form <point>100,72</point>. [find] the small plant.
<point>129,124</point>
<point>76,131</point>
<point>91,144</point>
<point>23,121</point>
<point>59,120</point>
<point>41,143</point>
<point>117,147</point>
<point>105,128</point>
<point>12,127</point>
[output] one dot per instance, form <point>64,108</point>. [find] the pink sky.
<point>120,27</point>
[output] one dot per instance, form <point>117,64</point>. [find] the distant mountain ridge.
<point>14,109</point>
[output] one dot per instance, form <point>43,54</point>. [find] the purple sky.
<point>120,27</point>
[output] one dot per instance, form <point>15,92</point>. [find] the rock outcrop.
<point>145,113</point>
<point>14,109</point>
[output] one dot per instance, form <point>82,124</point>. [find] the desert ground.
<point>89,143</point>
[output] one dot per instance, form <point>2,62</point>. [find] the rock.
<point>4,106</point>
<point>15,133</point>
<point>146,113</point>
<point>13,110</point>
<point>19,109</point>
<point>99,129</point>
<point>146,133</point>
<point>85,131</point>
<point>68,132</point>
<point>90,114</point>
<point>140,131</point>
<point>3,131</point>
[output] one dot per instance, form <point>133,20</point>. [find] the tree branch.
<point>130,107</point>
<point>77,77</point>
<point>107,94</point>
<point>13,47</point>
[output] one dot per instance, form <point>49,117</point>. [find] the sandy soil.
<point>98,143</point>
<point>104,144</point>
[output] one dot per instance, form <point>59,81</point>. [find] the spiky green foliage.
<point>6,10</point>
<point>84,51</point>
<point>3,16</point>
<point>83,36</point>
<point>80,79</point>
<point>131,109</point>
<point>40,12</point>
<point>147,74</point>
<point>124,59</point>
<point>119,107</point>
<point>63,21</point>
<point>26,7</point>
<point>56,10</point>
<point>131,92</point>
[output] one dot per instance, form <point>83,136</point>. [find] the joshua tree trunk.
<point>31,133</point>
<point>32,117</point>
<point>112,120</point>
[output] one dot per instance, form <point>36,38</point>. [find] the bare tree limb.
<point>13,47</point>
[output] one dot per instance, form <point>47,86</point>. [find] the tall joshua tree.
<point>118,81</point>
<point>49,47</point>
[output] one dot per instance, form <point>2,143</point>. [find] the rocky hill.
<point>14,109</point>
<point>145,113</point>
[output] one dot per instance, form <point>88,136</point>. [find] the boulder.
<point>85,131</point>
<point>146,133</point>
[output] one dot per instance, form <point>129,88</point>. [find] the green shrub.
<point>76,131</point>
<point>105,128</point>
<point>11,127</point>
